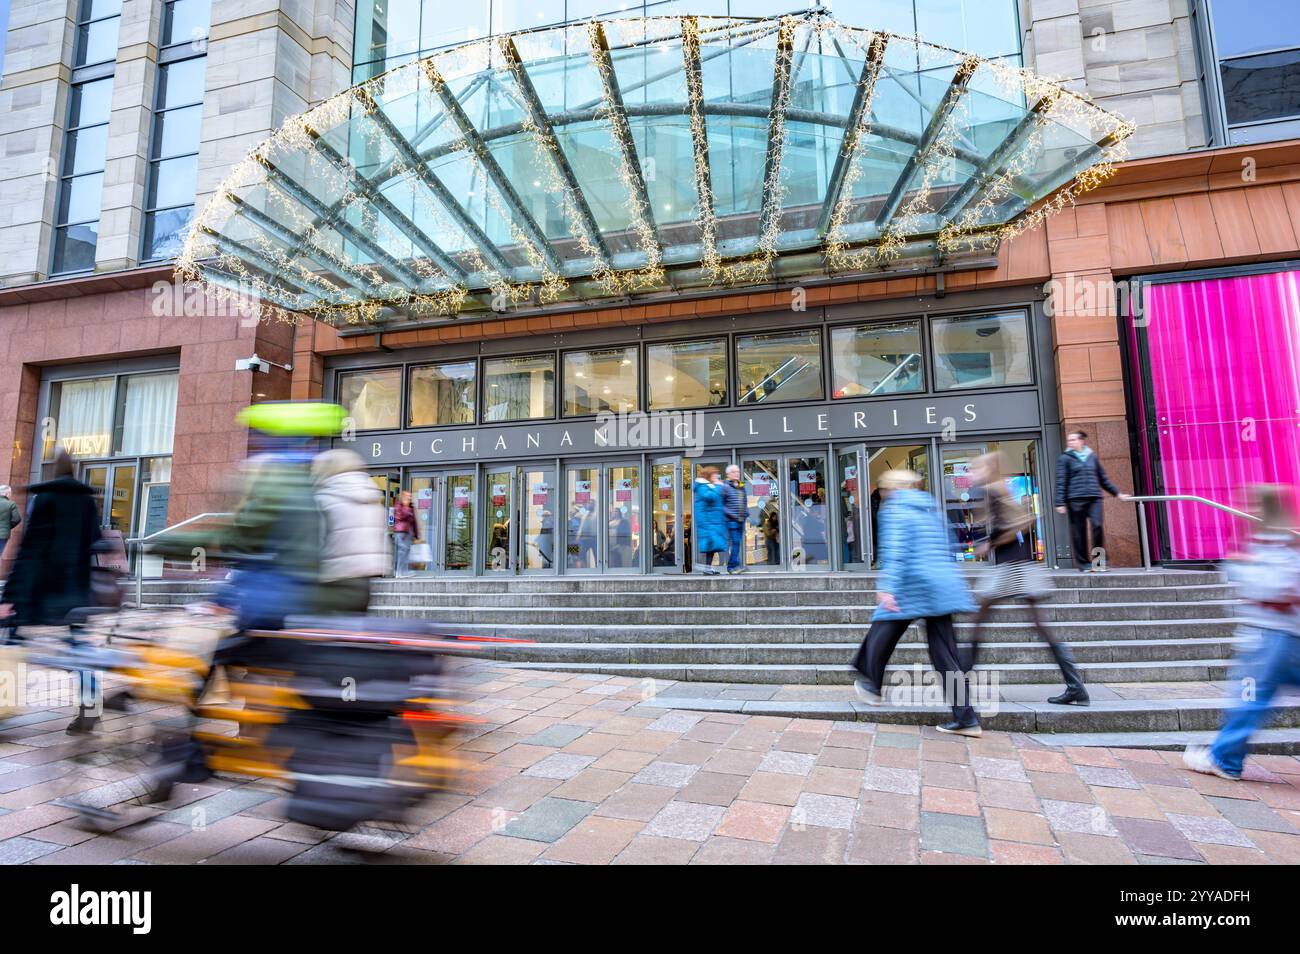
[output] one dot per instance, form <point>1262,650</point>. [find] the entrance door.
<point>668,551</point>
<point>444,506</point>
<point>519,520</point>
<point>808,520</point>
<point>913,457</point>
<point>115,486</point>
<point>963,500</point>
<point>765,530</point>
<point>850,470</point>
<point>623,531</point>
<point>603,530</point>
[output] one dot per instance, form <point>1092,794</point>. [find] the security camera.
<point>253,364</point>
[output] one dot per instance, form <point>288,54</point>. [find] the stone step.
<point>992,654</point>
<point>1010,632</point>
<point>1117,722</point>
<point>1187,670</point>
<point>1264,742</point>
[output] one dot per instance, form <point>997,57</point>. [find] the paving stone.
<point>1089,849</point>
<point>686,820</point>
<point>1061,788</point>
<point>897,740</point>
<point>20,850</point>
<point>1008,826</point>
<point>953,834</point>
<point>462,828</point>
<point>1281,849</point>
<point>734,762</point>
<point>806,742</point>
<point>201,843</point>
<point>636,802</point>
<point>1108,777</point>
<point>732,851</point>
<point>559,766</point>
<point>1009,770</point>
<point>754,821</point>
<point>209,811</point>
<point>1017,796</point>
<point>896,758</point>
<point>1186,801</point>
<point>1159,838</point>
<point>1018,853</point>
<point>1252,815</point>
<point>889,810</point>
<point>1215,831</point>
<point>548,820</point>
<point>843,758</point>
<point>834,781</point>
<point>899,781</point>
<point>259,851</point>
<point>1078,817</point>
<point>811,846</point>
<point>1042,760</point>
<point>713,788</point>
<point>594,841</point>
<point>877,845</point>
<point>558,736</point>
<point>593,785</point>
<point>823,811</point>
<point>501,850</point>
<point>668,774</point>
<point>952,801</point>
<point>787,763</point>
<point>654,850</point>
<point>772,788</point>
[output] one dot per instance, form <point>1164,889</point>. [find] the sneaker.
<point>1198,759</point>
<point>1070,698</point>
<point>866,692</point>
<point>972,730</point>
<point>739,569</point>
<point>82,725</point>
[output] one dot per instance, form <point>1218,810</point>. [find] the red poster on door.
<point>807,482</point>
<point>541,495</point>
<point>760,488</point>
<point>499,495</point>
<point>666,487</point>
<point>582,491</point>
<point>623,490</point>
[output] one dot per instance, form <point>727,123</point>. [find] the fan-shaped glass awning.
<point>626,157</point>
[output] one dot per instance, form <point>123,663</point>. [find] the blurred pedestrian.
<point>1268,584</point>
<point>735,514</point>
<point>1080,479</point>
<point>52,568</point>
<point>9,516</point>
<point>919,580</point>
<point>355,547</point>
<point>710,520</point>
<point>406,531</point>
<point>1015,573</point>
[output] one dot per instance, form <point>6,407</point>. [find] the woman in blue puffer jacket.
<point>919,580</point>
<point>710,526</point>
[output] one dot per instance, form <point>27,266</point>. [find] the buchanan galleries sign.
<point>692,432</point>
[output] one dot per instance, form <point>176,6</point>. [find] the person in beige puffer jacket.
<point>355,548</point>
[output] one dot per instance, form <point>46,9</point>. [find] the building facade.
<point>564,438</point>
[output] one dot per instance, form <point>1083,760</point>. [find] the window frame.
<point>472,360</point>
<point>820,330</point>
<point>342,373</point>
<point>563,375</point>
<point>920,322</point>
<point>481,417</point>
<point>727,349</point>
<point>933,369</point>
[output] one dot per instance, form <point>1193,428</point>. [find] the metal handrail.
<point>1180,498</point>
<point>140,541</point>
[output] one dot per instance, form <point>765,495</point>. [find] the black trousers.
<point>884,634</point>
<point>1083,511</point>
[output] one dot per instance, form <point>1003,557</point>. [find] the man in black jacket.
<point>736,514</point>
<point>1080,479</point>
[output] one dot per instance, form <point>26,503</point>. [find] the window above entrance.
<point>616,158</point>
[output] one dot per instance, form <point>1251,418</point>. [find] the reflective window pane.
<point>1252,26</point>
<point>779,367</point>
<point>372,398</point>
<point>91,103</point>
<point>180,84</point>
<point>981,351</point>
<point>165,232</point>
<point>176,132</point>
<point>84,150</point>
<point>442,394</point>
<point>97,42</point>
<point>687,374</point>
<point>808,523</point>
<point>74,247</point>
<point>880,358</point>
<point>186,21</point>
<point>98,9</point>
<point>582,502</point>
<point>79,201</point>
<point>517,389</point>
<point>596,381</point>
<point>1258,88</point>
<point>172,182</point>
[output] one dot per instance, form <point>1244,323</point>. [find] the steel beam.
<point>770,208</point>
<point>848,150</point>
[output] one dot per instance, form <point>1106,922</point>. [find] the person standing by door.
<point>1080,479</point>
<point>733,510</point>
<point>919,580</point>
<point>406,530</point>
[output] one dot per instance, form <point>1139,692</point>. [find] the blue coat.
<point>710,529</point>
<point>917,564</point>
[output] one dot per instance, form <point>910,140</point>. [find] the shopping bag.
<point>420,553</point>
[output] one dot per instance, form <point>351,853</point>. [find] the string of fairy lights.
<point>350,262</point>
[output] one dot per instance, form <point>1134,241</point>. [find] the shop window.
<point>596,381</point>
<point>519,389</point>
<point>442,394</point>
<point>981,351</point>
<point>146,414</point>
<point>687,374</point>
<point>372,398</point>
<point>779,367</point>
<point>128,415</point>
<point>82,412</point>
<point>880,358</point>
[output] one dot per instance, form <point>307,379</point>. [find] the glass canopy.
<point>627,157</point>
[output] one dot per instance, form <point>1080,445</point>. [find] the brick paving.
<point>576,770</point>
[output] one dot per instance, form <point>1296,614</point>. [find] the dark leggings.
<point>1060,651</point>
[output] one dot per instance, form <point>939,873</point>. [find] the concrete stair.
<point>753,643</point>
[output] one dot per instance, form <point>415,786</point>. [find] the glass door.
<point>808,521</point>
<point>766,526</point>
<point>537,539</point>
<point>963,501</point>
<point>499,522</point>
<point>623,528</point>
<point>852,526</point>
<point>690,470</point>
<point>96,476</point>
<point>914,457</point>
<point>457,554</point>
<point>426,503</point>
<point>582,510</point>
<point>668,555</point>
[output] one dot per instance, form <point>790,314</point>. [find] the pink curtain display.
<point>1224,359</point>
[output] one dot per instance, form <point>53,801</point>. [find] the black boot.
<point>1074,691</point>
<point>1071,697</point>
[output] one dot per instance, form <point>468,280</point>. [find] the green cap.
<point>294,418</point>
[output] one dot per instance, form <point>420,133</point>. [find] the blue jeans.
<point>735,544</point>
<point>1276,663</point>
